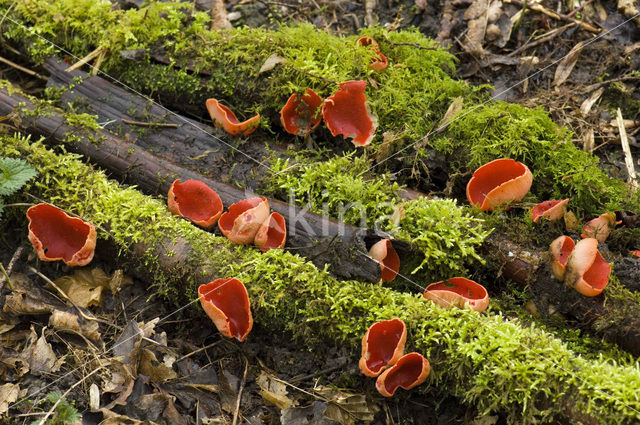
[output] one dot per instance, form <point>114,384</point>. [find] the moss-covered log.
<point>410,97</point>
<point>488,360</point>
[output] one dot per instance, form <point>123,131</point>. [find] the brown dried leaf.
<point>40,355</point>
<point>271,63</point>
<point>85,286</point>
<point>454,108</point>
<point>563,71</point>
<point>346,408</point>
<point>69,322</point>
<point>18,303</point>
<point>274,391</point>
<point>9,393</point>
<point>150,366</point>
<point>586,106</point>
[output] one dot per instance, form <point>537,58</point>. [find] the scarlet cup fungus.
<point>382,345</point>
<point>635,253</point>
<point>57,236</point>
<point>458,292</point>
<point>347,113</point>
<point>195,201</point>
<point>586,271</point>
<point>225,118</point>
<point>379,63</point>
<point>600,227</point>
<point>384,253</point>
<point>497,183</point>
<point>300,114</point>
<point>552,209</point>
<point>272,233</point>
<point>411,370</point>
<point>560,250</point>
<point>226,302</point>
<point>243,220</point>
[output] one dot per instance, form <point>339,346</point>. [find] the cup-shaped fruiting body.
<point>382,345</point>
<point>243,220</point>
<point>195,201</point>
<point>272,233</point>
<point>57,236</point>
<point>347,113</point>
<point>379,62</point>
<point>411,370</point>
<point>225,118</point>
<point>552,210</point>
<point>498,183</point>
<point>635,253</point>
<point>600,227</point>
<point>587,272</point>
<point>560,250</point>
<point>300,115</point>
<point>384,253</point>
<point>458,292</point>
<point>226,302</point>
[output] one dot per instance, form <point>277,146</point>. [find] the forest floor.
<point>578,62</point>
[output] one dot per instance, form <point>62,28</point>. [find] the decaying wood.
<point>320,239</point>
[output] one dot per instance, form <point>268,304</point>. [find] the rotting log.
<point>497,364</point>
<point>515,262</point>
<point>320,239</point>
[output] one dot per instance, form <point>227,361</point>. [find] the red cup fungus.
<point>411,370</point>
<point>272,233</point>
<point>586,271</point>
<point>458,292</point>
<point>600,227</point>
<point>225,118</point>
<point>243,220</point>
<point>195,201</point>
<point>347,113</point>
<point>560,250</point>
<point>300,114</point>
<point>635,253</point>
<point>226,302</point>
<point>57,236</point>
<point>384,253</point>
<point>382,345</point>
<point>497,183</point>
<point>552,210</point>
<point>379,62</point>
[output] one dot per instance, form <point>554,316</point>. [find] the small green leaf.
<point>14,173</point>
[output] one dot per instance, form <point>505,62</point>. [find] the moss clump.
<point>490,361</point>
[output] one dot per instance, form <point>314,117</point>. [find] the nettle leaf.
<point>14,173</point>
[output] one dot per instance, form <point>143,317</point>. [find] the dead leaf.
<point>346,408</point>
<point>571,221</point>
<point>485,420</point>
<point>274,391</point>
<point>18,303</point>
<point>586,106</point>
<point>40,355</point>
<point>219,20</point>
<point>589,141</point>
<point>128,344</point>
<point>398,214</point>
<point>112,418</point>
<point>309,415</point>
<point>9,393</point>
<point>454,108</point>
<point>227,393</point>
<point>68,322</point>
<point>386,147</point>
<point>421,4</point>
<point>94,398</point>
<point>84,287</point>
<point>629,8</point>
<point>206,387</point>
<point>150,366</point>
<point>271,63</point>
<point>566,65</point>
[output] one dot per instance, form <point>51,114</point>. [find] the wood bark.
<point>320,239</point>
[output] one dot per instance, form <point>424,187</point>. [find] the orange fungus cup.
<point>347,113</point>
<point>57,236</point>
<point>379,62</point>
<point>411,370</point>
<point>272,233</point>
<point>458,292</point>
<point>226,302</point>
<point>300,115</point>
<point>225,118</point>
<point>586,271</point>
<point>560,250</point>
<point>382,345</point>
<point>600,227</point>
<point>499,182</point>
<point>552,210</point>
<point>384,253</point>
<point>195,201</point>
<point>243,220</point>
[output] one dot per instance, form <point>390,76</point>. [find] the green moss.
<point>492,362</point>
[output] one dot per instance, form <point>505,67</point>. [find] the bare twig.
<point>149,124</point>
<point>85,59</point>
<point>242,383</point>
<point>198,350</point>
<point>12,263</point>
<point>22,68</point>
<point>628,159</point>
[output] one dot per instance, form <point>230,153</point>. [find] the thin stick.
<point>22,68</point>
<point>244,380</point>
<point>85,59</point>
<point>198,350</point>
<point>628,159</point>
<point>16,257</point>
<point>149,124</point>
<point>98,63</point>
